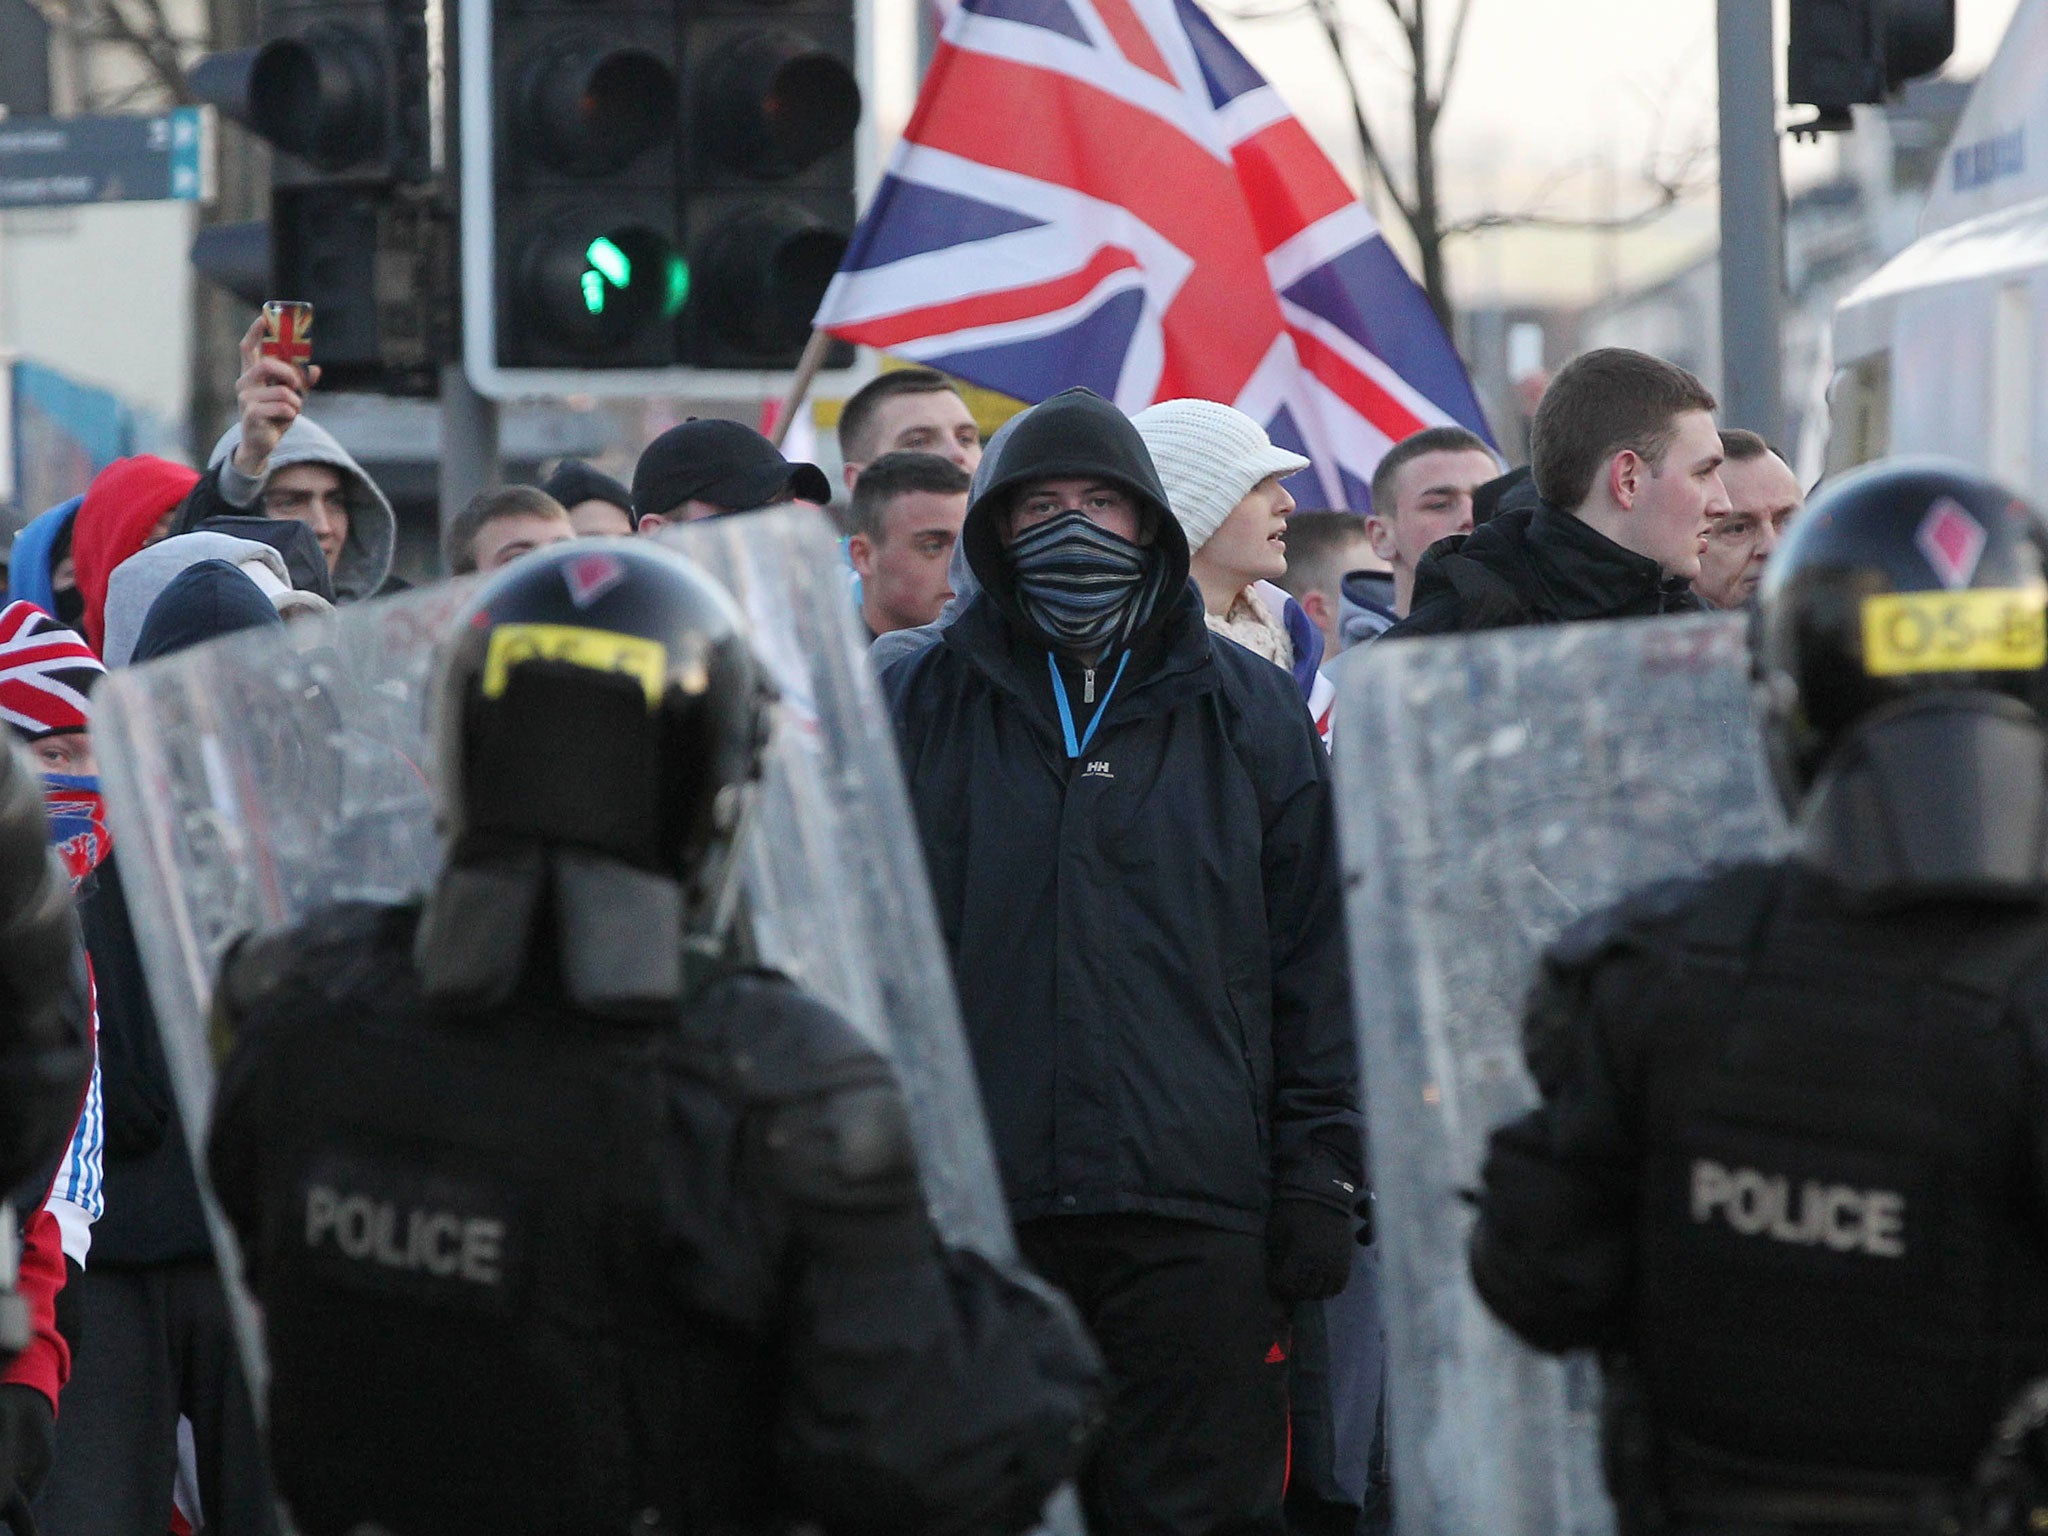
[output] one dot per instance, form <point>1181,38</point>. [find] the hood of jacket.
<point>28,568</point>
<point>201,603</point>
<point>365,562</point>
<point>141,579</point>
<point>295,543</point>
<point>1075,434</point>
<point>125,501</point>
<point>1560,567</point>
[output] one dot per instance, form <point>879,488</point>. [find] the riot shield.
<point>258,777</point>
<point>1491,789</point>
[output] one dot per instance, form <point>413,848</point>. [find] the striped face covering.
<point>1084,587</point>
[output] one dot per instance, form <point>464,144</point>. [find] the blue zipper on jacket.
<point>1059,697</point>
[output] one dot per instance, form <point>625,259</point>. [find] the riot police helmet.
<point>1905,585</point>
<point>601,696</point>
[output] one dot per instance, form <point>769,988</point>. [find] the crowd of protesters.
<point>1108,645</point>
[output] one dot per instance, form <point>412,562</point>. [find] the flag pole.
<point>807,368</point>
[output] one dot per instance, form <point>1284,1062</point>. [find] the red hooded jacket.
<point>124,502</point>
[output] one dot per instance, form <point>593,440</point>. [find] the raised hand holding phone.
<point>276,373</point>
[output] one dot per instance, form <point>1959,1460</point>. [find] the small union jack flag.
<point>1104,192</point>
<point>45,670</point>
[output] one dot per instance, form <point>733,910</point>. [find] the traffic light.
<point>653,191</point>
<point>1844,53</point>
<point>587,272</point>
<point>349,94</point>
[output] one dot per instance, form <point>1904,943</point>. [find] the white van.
<point>1943,349</point>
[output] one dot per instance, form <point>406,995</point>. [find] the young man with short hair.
<point>905,519</point>
<point>907,410</point>
<point>1422,493</point>
<point>1323,547</point>
<point>499,526</point>
<point>1628,465</point>
<point>1763,498</point>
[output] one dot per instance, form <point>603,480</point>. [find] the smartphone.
<point>288,332</point>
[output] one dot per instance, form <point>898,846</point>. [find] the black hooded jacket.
<point>1535,566</point>
<point>1147,938</point>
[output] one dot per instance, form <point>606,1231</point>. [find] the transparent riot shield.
<point>256,778</point>
<point>1491,789</point>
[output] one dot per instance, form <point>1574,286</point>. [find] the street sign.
<point>159,157</point>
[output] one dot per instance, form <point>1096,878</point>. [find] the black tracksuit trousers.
<point>1195,1443</point>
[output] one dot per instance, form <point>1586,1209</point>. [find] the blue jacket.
<point>1147,938</point>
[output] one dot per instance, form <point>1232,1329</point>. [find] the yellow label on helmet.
<point>1990,629</point>
<point>601,650</point>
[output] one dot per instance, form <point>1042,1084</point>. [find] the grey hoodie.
<point>372,529</point>
<point>140,580</point>
<point>887,649</point>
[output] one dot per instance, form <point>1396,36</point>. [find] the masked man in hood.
<point>1127,821</point>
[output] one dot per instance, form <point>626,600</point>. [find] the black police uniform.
<point>530,1272</point>
<point>1789,1162</point>
<point>558,1232</point>
<point>1789,1168</point>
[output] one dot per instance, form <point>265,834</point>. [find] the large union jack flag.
<point>1105,192</point>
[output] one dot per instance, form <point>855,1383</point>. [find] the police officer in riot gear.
<point>1789,1167</point>
<point>562,1219</point>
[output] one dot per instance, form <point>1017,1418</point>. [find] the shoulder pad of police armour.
<point>1627,923</point>
<point>782,1044</point>
<point>258,966</point>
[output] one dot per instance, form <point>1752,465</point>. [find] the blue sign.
<point>1988,160</point>
<point>160,157</point>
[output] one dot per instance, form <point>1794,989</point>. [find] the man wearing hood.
<point>277,463</point>
<point>39,569</point>
<point>1127,821</point>
<point>130,505</point>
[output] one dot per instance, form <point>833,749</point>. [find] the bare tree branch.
<point>149,38</point>
<point>1451,52</point>
<point>1668,189</point>
<point>1376,163</point>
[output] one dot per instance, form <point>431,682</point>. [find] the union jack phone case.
<point>288,331</point>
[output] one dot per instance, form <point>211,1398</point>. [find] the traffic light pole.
<point>469,442</point>
<point>1752,224</point>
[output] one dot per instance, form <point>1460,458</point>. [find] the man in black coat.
<point>1128,825</point>
<point>1627,462</point>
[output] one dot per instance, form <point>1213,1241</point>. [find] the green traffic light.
<point>677,292</point>
<point>593,291</point>
<point>608,259</point>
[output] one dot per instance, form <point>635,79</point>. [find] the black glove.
<point>2010,1497</point>
<point>28,1438</point>
<point>1308,1249</point>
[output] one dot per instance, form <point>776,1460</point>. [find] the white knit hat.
<point>1209,456</point>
